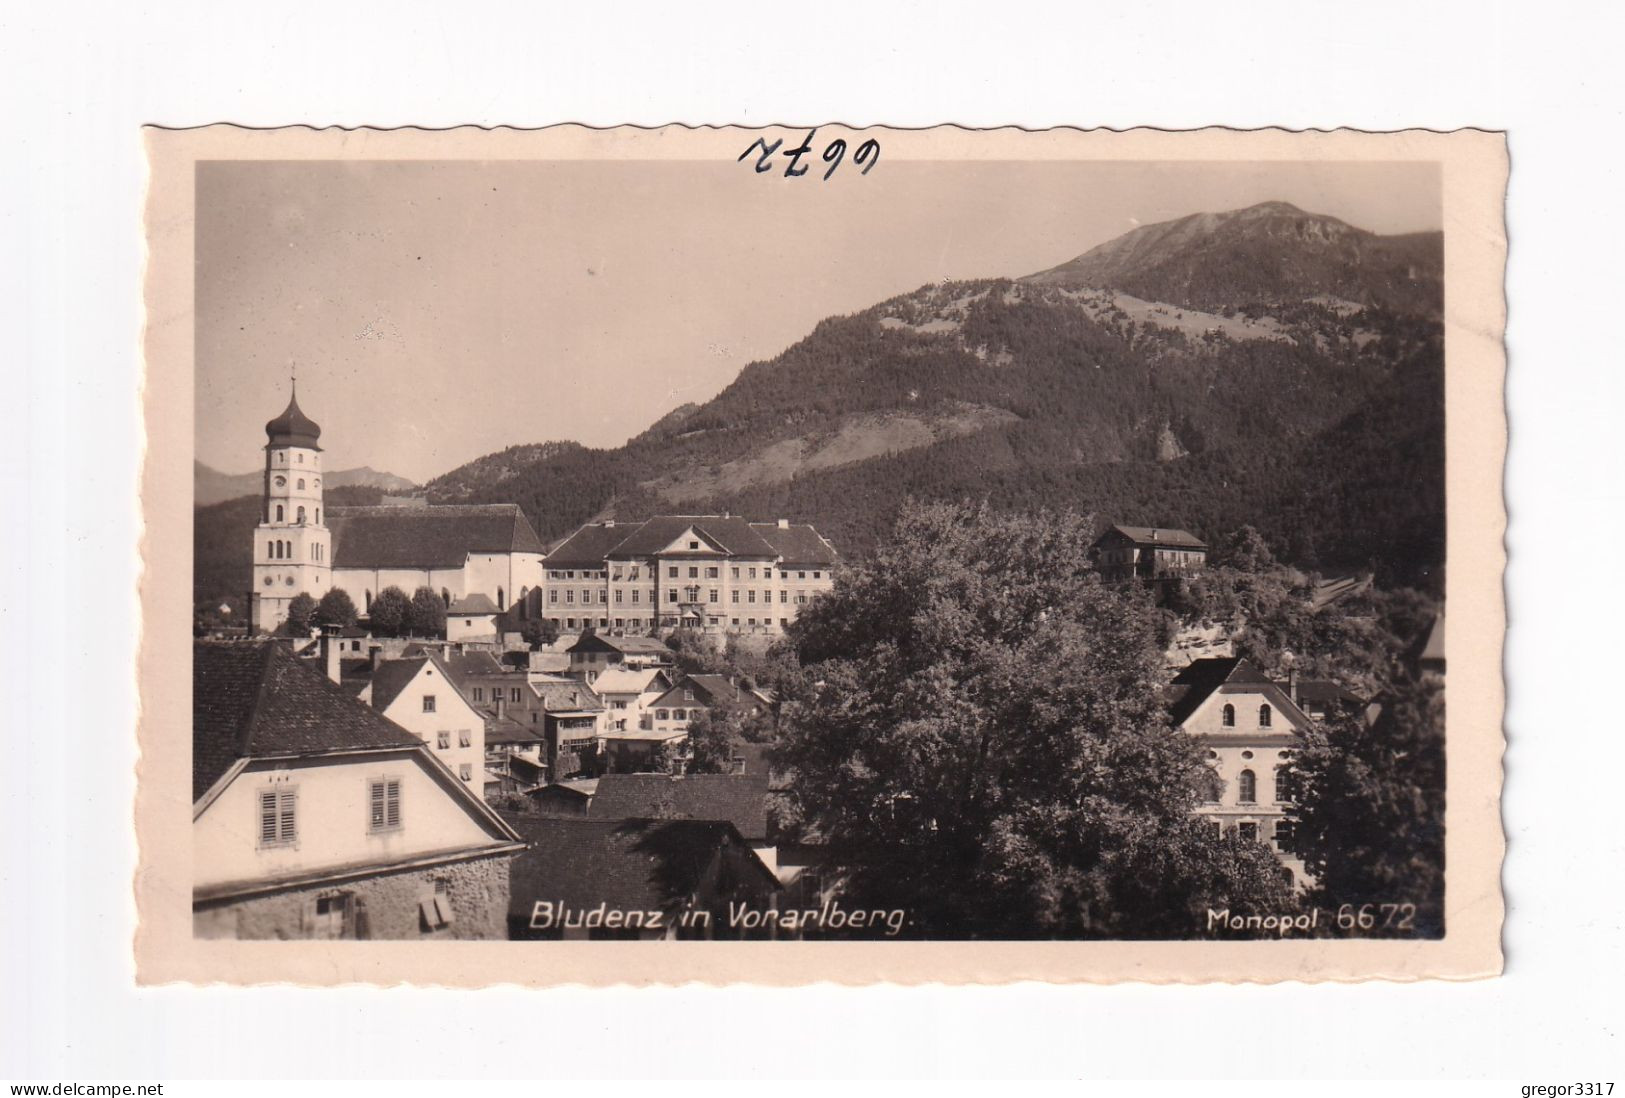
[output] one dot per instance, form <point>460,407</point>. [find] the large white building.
<point>713,573</point>
<point>454,551</point>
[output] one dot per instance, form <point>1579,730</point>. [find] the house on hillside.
<point>573,717</point>
<point>515,758</point>
<point>420,695</point>
<point>595,653</point>
<point>695,694</point>
<point>313,816</point>
<point>1247,724</point>
<point>1147,552</point>
<point>633,880</point>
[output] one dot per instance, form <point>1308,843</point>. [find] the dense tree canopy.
<point>980,727</point>
<point>426,615</point>
<point>389,612</point>
<point>336,609</point>
<point>301,614</point>
<point>1371,805</point>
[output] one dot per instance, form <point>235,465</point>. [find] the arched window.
<point>279,512</point>
<point>301,484</point>
<point>1230,716</point>
<point>1247,787</point>
<point>318,516</point>
<point>1264,716</point>
<point>501,601</point>
<point>270,549</point>
<point>1284,793</point>
<point>301,516</point>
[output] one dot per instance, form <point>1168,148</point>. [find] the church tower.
<point>292,548</point>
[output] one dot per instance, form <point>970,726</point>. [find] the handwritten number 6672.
<point>866,156</point>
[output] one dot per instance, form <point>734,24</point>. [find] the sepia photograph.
<point>806,544</point>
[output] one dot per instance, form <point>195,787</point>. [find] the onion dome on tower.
<point>293,427</point>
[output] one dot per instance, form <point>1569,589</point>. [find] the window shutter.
<point>267,817</point>
<point>442,907</point>
<point>376,803</point>
<point>287,817</point>
<point>393,803</point>
<point>363,925</point>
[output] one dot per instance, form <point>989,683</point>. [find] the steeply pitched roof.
<point>1199,680</point>
<point>712,691</point>
<point>391,677</point>
<point>626,680</point>
<point>440,536</point>
<point>730,534</point>
<point>256,698</point>
<point>593,544</point>
<point>461,666</point>
<point>1325,691</point>
<point>741,799</point>
<point>797,544</point>
<point>477,603</point>
<point>566,695</point>
<point>1161,536</point>
<point>627,646</point>
<point>630,865</point>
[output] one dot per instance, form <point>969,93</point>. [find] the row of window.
<point>465,738</point>
<point>278,549</point>
<point>674,571</point>
<point>673,594</point>
<point>496,693</point>
<point>1247,787</point>
<point>282,458</point>
<point>299,515</point>
<point>666,621</point>
<point>282,482</point>
<point>279,811</point>
<point>1265,716</point>
<point>1285,836</point>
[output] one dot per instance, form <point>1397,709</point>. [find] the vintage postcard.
<point>811,554</point>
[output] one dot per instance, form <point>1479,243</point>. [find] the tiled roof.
<point>623,680</point>
<point>1324,690</point>
<point>588,546</point>
<point>508,730</point>
<point>796,544</point>
<point>460,666</point>
<point>628,646</point>
<point>730,534</point>
<point>1161,536</point>
<point>391,678</point>
<point>593,544</point>
<point>563,695</point>
<point>477,603</point>
<point>712,691</point>
<point>630,865</point>
<point>440,536</point>
<point>741,799</point>
<point>257,698</point>
<point>1201,678</point>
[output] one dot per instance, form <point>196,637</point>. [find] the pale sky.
<point>438,311</point>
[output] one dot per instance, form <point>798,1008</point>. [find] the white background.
<point>77,82</point>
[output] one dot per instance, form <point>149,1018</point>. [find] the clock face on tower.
<point>280,482</point>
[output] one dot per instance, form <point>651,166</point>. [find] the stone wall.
<point>477,891</point>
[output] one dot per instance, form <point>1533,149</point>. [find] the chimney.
<point>784,524</point>
<point>377,653</point>
<point>1292,685</point>
<point>498,693</point>
<point>330,650</point>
